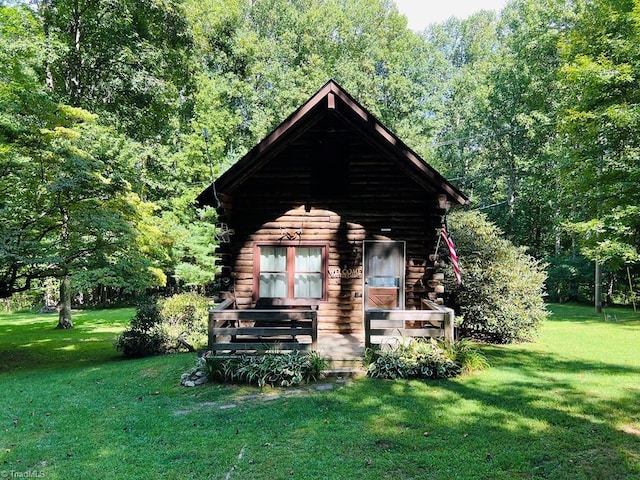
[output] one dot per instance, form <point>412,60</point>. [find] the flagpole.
<point>438,244</point>
<point>444,233</point>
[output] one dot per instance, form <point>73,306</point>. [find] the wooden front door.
<point>383,274</point>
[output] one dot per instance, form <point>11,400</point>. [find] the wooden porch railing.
<point>432,321</point>
<point>252,330</point>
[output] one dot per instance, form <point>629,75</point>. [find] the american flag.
<point>452,253</point>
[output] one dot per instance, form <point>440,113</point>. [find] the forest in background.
<point>533,113</point>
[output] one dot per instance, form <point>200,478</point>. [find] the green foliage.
<point>128,61</point>
<point>570,278</point>
<point>497,135</point>
<point>541,110</point>
<point>275,369</point>
<point>501,297</point>
<point>263,59</point>
<point>532,112</point>
<point>599,121</point>
<point>419,358</point>
<point>465,354</point>
<point>164,326</point>
<point>186,315</point>
<point>145,336</point>
<point>30,300</point>
<point>611,237</point>
<point>72,211</point>
<point>194,249</point>
<point>67,202</point>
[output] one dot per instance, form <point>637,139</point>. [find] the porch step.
<point>345,363</point>
<point>344,366</point>
<point>355,372</point>
<point>344,353</point>
<point>337,346</point>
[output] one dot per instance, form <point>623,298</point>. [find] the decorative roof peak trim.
<point>327,99</point>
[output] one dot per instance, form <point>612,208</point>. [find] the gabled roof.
<point>333,98</point>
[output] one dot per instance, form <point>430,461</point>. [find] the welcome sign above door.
<point>345,272</point>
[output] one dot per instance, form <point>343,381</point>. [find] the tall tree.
<point>467,48</point>
<point>521,114</point>
<point>263,59</point>
<point>498,140</point>
<point>127,61</point>
<point>599,124</point>
<point>24,108</point>
<point>67,205</point>
<point>131,62</point>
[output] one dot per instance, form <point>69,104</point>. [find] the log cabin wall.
<point>333,185</point>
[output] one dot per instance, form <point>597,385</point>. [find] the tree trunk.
<point>610,286</point>
<point>64,319</point>
<point>598,292</point>
<point>44,13</point>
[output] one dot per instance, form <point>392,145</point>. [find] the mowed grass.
<point>30,342</point>
<point>564,407</point>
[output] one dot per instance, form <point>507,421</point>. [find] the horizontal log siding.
<point>379,196</point>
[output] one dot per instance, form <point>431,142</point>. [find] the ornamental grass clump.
<point>419,358</point>
<point>271,368</point>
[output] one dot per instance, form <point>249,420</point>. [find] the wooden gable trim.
<point>418,170</point>
<point>303,119</point>
<point>329,99</point>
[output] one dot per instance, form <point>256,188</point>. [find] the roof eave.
<point>329,98</point>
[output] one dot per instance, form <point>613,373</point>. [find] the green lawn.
<point>564,407</point>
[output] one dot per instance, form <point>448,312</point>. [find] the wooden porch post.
<point>367,330</point>
<point>449,322</point>
<point>314,329</point>
<point>212,324</point>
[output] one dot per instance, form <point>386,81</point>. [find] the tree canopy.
<point>533,112</point>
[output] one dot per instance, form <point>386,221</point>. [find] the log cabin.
<point>328,231</point>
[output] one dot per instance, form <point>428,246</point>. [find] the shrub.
<point>275,369</point>
<point>31,300</point>
<point>501,297</point>
<point>179,322</point>
<point>418,358</point>
<point>145,336</point>
<point>185,316</point>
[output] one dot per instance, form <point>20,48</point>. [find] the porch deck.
<point>253,331</point>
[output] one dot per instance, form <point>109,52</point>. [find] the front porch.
<point>253,331</point>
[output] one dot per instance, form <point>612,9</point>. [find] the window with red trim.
<point>290,271</point>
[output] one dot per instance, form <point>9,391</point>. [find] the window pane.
<point>384,281</point>
<point>276,274</point>
<point>273,285</point>
<point>273,259</point>
<point>308,285</point>
<point>273,272</point>
<point>383,267</point>
<point>308,259</point>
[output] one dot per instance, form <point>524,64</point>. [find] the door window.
<point>384,270</point>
